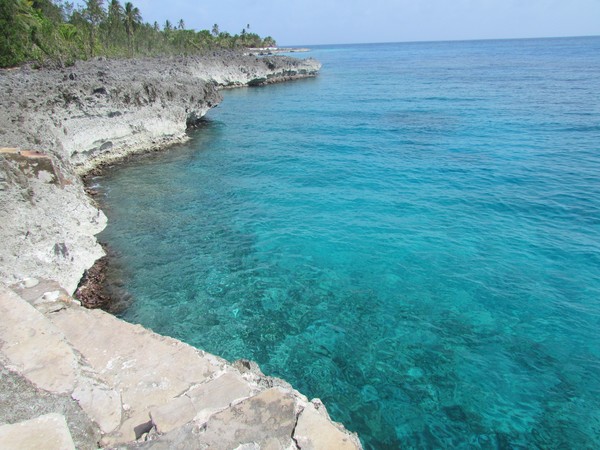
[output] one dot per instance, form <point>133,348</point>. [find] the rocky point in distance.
<point>83,377</point>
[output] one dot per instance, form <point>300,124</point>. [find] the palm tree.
<point>269,42</point>
<point>132,20</point>
<point>181,25</point>
<point>215,30</point>
<point>93,13</point>
<point>114,23</point>
<point>115,14</point>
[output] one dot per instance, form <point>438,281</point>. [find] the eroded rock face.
<point>47,222</point>
<point>105,109</point>
<point>101,109</point>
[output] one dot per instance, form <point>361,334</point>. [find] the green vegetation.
<point>55,31</point>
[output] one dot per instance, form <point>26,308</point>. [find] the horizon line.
<point>439,41</point>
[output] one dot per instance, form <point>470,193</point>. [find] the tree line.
<point>57,31</point>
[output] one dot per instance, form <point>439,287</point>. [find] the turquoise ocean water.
<point>413,237</point>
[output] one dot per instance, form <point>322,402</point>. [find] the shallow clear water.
<point>413,237</point>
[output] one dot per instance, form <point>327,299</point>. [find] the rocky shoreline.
<point>125,386</point>
<point>93,114</point>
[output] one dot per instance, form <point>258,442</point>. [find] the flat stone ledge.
<point>49,432</point>
<point>146,370</point>
<point>35,348</point>
<point>136,385</point>
<point>101,403</point>
<point>174,414</point>
<point>315,431</point>
<point>218,394</point>
<point>267,419</point>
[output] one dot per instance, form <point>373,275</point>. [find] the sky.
<point>311,22</point>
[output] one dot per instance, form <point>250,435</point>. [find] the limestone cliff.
<point>87,114</point>
<point>47,222</point>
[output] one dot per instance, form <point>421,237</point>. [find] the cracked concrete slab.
<point>101,403</point>
<point>265,421</point>
<point>174,414</point>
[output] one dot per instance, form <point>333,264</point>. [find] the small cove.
<point>412,237</point>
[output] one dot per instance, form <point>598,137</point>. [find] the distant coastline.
<point>266,51</point>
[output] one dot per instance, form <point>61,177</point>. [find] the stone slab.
<point>48,432</point>
<point>35,347</point>
<point>101,403</point>
<point>218,394</point>
<point>134,424</point>
<point>315,431</point>
<point>146,369</point>
<point>176,413</point>
<point>267,419</point>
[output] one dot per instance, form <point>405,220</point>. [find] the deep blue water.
<point>413,237</point>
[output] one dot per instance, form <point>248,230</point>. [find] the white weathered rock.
<point>48,297</point>
<point>173,414</point>
<point>315,431</point>
<point>267,419</point>
<point>252,446</point>
<point>43,291</point>
<point>48,432</point>
<point>218,394</point>
<point>48,229</point>
<point>34,346</point>
<point>30,282</point>
<point>101,403</point>
<point>148,370</point>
